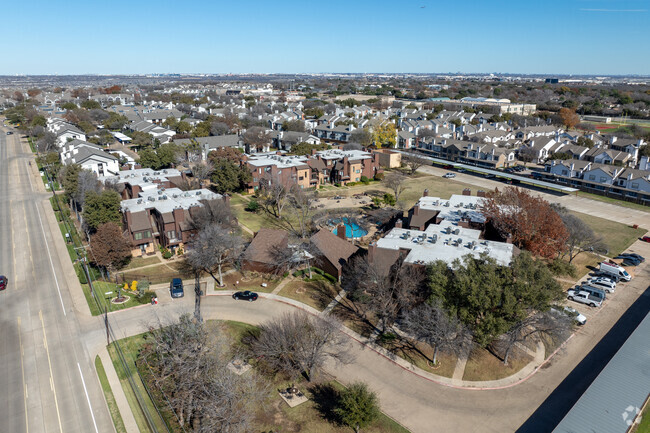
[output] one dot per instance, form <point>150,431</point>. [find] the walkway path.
<point>118,392</point>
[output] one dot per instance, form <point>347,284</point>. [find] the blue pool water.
<point>352,229</point>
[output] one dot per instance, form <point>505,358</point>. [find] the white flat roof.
<point>142,176</point>
<point>436,244</point>
<point>280,161</point>
<point>166,200</point>
<point>455,208</point>
<point>340,154</point>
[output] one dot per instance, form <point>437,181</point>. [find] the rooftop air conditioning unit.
<point>139,201</point>
<point>456,231</point>
<point>159,192</point>
<point>198,193</point>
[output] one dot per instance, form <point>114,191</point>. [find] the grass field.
<point>644,426</point>
<point>617,236</point>
<point>317,294</point>
<point>102,288</point>
<point>482,365</point>
<point>110,398</point>
<point>615,201</point>
<point>137,262</point>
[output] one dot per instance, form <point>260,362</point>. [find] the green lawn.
<point>617,236</point>
<point>102,288</point>
<point>317,294</point>
<point>154,274</point>
<point>130,348</point>
<point>137,262</point>
<point>644,427</point>
<point>110,398</point>
<point>612,200</point>
<point>482,365</point>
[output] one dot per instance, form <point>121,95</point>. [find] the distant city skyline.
<point>580,37</point>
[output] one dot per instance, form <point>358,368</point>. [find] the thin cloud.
<point>613,10</point>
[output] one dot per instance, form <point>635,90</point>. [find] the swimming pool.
<point>352,229</point>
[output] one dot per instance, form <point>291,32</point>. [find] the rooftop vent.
<point>139,201</point>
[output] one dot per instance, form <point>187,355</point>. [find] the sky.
<point>596,37</point>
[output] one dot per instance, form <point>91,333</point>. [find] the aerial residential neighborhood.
<point>324,231</point>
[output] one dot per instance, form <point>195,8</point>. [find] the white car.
<point>572,312</point>
<point>449,175</point>
<point>602,283</point>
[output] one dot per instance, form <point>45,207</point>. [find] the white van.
<point>616,270</point>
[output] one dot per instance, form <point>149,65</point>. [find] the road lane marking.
<point>83,382</point>
<point>47,350</point>
<point>22,368</point>
<point>47,246</point>
<point>29,242</point>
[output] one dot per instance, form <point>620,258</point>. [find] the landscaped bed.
<point>248,281</point>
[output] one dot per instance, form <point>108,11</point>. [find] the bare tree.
<point>386,294</point>
<point>581,238</point>
<point>297,344</point>
<point>189,368</point>
<point>212,248</point>
<point>219,128</point>
<point>433,325</point>
<point>212,212</point>
<point>46,143</point>
<point>256,137</point>
<point>395,181</point>
<point>202,170</point>
<point>527,154</point>
<point>274,194</point>
<point>553,324</point>
<point>413,161</point>
<point>297,219</point>
<point>87,182</point>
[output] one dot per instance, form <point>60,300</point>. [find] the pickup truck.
<point>584,298</point>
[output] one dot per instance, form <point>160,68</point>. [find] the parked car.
<point>630,258</point>
<point>461,170</point>
<point>246,295</point>
<point>3,282</point>
<point>646,239</point>
<point>634,256</point>
<point>489,176</point>
<point>580,319</point>
<point>449,175</point>
<point>448,166</point>
<point>176,288</point>
<point>10,133</point>
<point>584,298</point>
<point>603,284</point>
<point>606,276</point>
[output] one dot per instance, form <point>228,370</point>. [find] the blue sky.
<point>237,36</point>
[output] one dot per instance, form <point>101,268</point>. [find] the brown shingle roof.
<point>260,249</point>
<point>336,250</point>
<point>140,221</point>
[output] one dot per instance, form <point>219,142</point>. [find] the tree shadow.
<point>325,398</point>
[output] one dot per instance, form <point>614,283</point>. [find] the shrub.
<point>167,254</point>
<point>252,206</point>
<point>389,199</point>
<point>560,267</point>
<point>365,180</point>
<point>379,176</point>
<point>80,273</point>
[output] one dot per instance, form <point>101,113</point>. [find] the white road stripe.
<point>83,382</point>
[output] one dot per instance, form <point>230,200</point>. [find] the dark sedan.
<point>246,295</point>
<point>3,282</point>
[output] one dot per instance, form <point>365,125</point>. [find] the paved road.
<point>585,205</point>
<point>47,378</point>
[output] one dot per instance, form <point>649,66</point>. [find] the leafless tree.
<point>527,154</point>
<point>201,170</point>
<point>212,212</point>
<point>46,143</point>
<point>395,181</point>
<point>219,128</point>
<point>274,194</point>
<point>189,368</point>
<point>553,324</point>
<point>352,146</point>
<point>385,293</point>
<point>297,344</point>
<point>297,219</point>
<point>413,161</point>
<point>581,238</point>
<point>256,137</point>
<point>433,325</point>
<point>212,248</point>
<point>87,182</point>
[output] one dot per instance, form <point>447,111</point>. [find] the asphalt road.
<point>47,378</point>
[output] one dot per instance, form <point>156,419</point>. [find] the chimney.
<point>372,248</point>
<point>416,209</point>
<point>467,191</point>
<point>398,223</point>
<point>340,231</point>
<point>425,193</point>
<point>480,193</point>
